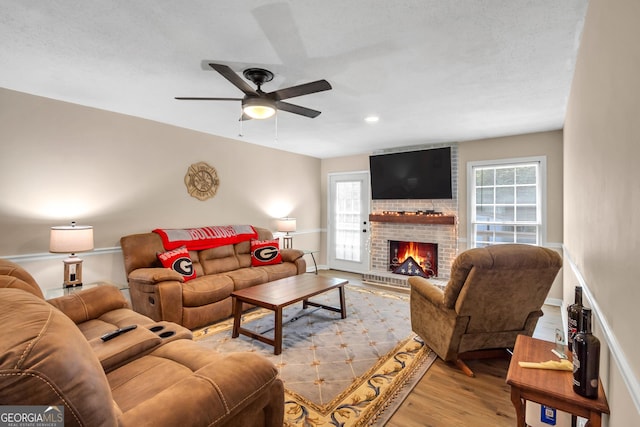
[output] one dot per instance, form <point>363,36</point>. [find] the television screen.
<point>424,174</point>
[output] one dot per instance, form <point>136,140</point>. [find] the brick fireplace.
<point>440,230</point>
<point>412,221</point>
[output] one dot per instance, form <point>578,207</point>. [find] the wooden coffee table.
<point>280,293</point>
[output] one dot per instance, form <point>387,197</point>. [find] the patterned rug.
<point>337,372</point>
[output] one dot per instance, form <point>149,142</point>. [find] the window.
<point>506,201</point>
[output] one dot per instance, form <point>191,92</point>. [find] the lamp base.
<point>287,242</point>
<point>72,272</point>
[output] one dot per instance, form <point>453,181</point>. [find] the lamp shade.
<point>258,108</point>
<point>71,238</point>
<point>286,224</point>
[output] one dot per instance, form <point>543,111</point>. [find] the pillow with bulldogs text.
<point>265,252</point>
<point>180,261</point>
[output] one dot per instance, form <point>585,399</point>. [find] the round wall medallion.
<point>202,181</point>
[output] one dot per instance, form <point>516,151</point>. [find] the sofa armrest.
<point>439,326</point>
<point>155,275</point>
<point>427,289</point>
<point>136,343</point>
<point>124,348</point>
<point>291,255</point>
<point>157,293</point>
<point>89,304</point>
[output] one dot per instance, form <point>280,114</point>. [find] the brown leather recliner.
<point>135,379</point>
<point>494,294</point>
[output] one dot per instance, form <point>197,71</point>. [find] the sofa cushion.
<point>180,261</point>
<point>206,290</point>
<point>246,277</point>
<point>265,252</point>
<point>218,260</point>
<point>279,271</point>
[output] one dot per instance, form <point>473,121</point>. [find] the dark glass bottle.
<point>586,358</point>
<point>574,311</point>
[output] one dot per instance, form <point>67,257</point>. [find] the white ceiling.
<point>433,71</point>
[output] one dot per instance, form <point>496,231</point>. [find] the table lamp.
<point>286,225</point>
<point>71,239</point>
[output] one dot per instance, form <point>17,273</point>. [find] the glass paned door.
<point>348,222</point>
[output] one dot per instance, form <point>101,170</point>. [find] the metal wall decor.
<point>202,181</point>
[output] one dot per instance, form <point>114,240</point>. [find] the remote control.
<point>111,335</point>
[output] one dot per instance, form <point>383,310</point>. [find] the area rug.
<point>337,372</point>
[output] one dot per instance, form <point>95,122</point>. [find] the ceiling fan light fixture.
<point>258,108</point>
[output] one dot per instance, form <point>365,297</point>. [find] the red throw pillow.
<point>180,261</point>
<point>265,252</point>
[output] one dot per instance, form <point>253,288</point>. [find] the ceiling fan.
<point>257,104</point>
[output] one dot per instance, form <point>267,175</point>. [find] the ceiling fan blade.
<point>296,109</point>
<point>192,98</point>
<point>234,78</point>
<point>303,89</point>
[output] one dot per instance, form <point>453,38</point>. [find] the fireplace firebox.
<point>413,258</point>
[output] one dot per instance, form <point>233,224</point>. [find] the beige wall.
<point>602,193</point>
<point>61,162</point>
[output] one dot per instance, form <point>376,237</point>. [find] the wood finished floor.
<point>445,397</point>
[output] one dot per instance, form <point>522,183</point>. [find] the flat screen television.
<point>424,174</point>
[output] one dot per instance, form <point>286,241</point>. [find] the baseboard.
<point>556,302</point>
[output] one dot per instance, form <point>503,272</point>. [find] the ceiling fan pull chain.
<point>276,125</point>
<point>241,112</point>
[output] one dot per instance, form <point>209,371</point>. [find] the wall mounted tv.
<point>424,174</point>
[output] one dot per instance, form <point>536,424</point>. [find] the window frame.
<point>541,161</point>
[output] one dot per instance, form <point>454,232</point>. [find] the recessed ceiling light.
<point>371,119</point>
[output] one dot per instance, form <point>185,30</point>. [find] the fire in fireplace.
<point>413,258</point>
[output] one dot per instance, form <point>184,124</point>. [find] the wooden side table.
<point>548,387</point>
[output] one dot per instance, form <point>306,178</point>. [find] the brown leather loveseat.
<point>52,354</point>
<point>162,294</point>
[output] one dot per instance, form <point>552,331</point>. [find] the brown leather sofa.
<point>51,353</point>
<point>162,294</point>
<point>494,294</point>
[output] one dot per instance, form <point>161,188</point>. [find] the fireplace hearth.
<point>413,258</point>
